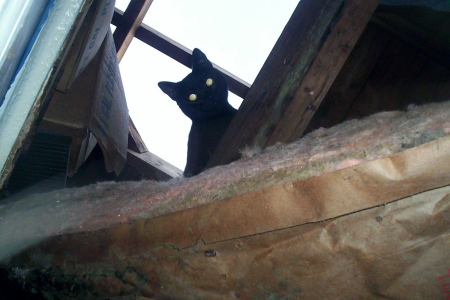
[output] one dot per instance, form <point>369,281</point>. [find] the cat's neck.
<point>195,116</point>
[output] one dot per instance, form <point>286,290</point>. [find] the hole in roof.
<point>122,4</point>
<point>161,124</point>
<point>236,35</point>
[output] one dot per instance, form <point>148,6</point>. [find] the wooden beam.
<point>135,141</point>
<point>152,166</point>
<point>297,75</point>
<point>126,28</point>
<point>179,53</point>
<point>352,78</point>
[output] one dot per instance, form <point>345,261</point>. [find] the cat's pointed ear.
<point>170,88</point>
<point>199,60</point>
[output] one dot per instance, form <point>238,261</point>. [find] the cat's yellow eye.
<point>209,82</point>
<point>192,97</point>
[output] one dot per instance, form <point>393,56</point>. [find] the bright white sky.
<point>237,35</point>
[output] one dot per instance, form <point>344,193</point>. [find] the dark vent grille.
<point>43,168</point>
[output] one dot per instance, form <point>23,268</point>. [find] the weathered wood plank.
<point>132,19</point>
<point>152,166</point>
<point>135,141</point>
<point>352,78</point>
<point>297,74</point>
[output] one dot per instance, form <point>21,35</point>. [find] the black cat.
<point>203,97</point>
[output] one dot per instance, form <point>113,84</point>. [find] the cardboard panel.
<point>109,119</point>
<point>88,41</point>
<point>99,99</point>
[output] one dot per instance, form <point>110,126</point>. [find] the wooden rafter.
<point>297,75</point>
<point>135,141</point>
<point>178,52</point>
<point>421,27</point>
<point>352,79</point>
<point>126,28</point>
<point>152,166</point>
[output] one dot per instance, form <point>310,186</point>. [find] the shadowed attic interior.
<point>398,59</point>
<point>335,61</point>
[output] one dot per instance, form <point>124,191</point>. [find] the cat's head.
<point>201,94</point>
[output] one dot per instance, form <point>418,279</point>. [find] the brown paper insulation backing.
<point>372,222</point>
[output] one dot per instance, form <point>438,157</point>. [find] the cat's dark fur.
<point>210,112</point>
